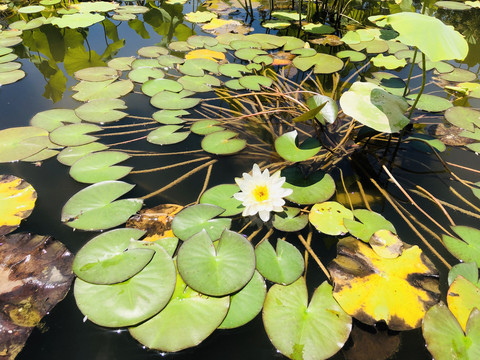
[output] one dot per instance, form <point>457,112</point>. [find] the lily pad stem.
<point>315,257</point>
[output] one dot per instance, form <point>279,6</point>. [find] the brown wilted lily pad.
<point>449,135</point>
<point>35,274</point>
<point>372,288</point>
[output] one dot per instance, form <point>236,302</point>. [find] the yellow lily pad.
<point>372,288</point>
<point>327,217</point>
<point>205,54</point>
<point>386,244</point>
<point>17,200</point>
<point>462,297</point>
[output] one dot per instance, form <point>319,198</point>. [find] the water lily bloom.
<point>261,193</point>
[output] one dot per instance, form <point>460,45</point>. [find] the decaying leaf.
<point>372,288</point>
<point>157,221</point>
<point>17,200</point>
<point>35,274</point>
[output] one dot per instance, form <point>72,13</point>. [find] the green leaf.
<point>353,56</point>
<point>233,70</point>
<point>69,155</point>
<point>467,250</point>
<point>328,113</point>
<point>169,117</point>
<point>370,222</point>
<point>323,63</point>
<point>99,73</point>
<point>75,21</point>
<point>187,320</point>
<point>32,9</point>
<point>97,167</point>
<point>145,73</point>
<point>121,63</point>
<point>255,82</point>
<point>174,101</point>
<point>95,208</point>
<point>283,266</point>
<point>328,217</point>
<point>18,143</point>
<point>74,134</point>
<point>205,127</point>
<point>301,330</point>
<point>463,117</point>
<point>167,134</point>
<point>430,103</point>
<point>97,6</point>
<point>152,51</point>
<point>199,83</point>
<point>109,89</point>
<point>219,270</point>
<point>106,259</point>
<point>468,270</point>
<point>222,196</point>
<point>310,189</point>
<point>196,218</point>
<point>197,67</point>
<point>289,220</point>
<point>389,82</point>
<point>200,16</point>
<point>102,111</point>
<point>286,147</point>
<point>54,118</point>
<point>154,86</point>
<point>249,53</point>
<point>389,62</point>
<point>11,77</point>
<point>223,143</point>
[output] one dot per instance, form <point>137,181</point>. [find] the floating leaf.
<point>169,117</point>
<point>32,9</point>
<point>97,6</point>
<point>174,101</point>
<point>11,76</point>
<point>95,208</point>
<point>17,200</point>
<point>75,21</point>
<point>288,15</point>
<point>196,218</point>
<point>254,82</point>
<point>169,60</point>
<point>286,146</point>
<point>205,127</point>
<point>468,270</point>
<point>316,187</point>
<point>219,270</point>
<point>101,111</point>
<point>187,320</point>
<point>54,118</point>
<point>467,250</point>
<point>152,51</point>
<point>20,142</point>
<point>430,103</point>
<point>371,46</point>
<point>109,89</point>
<point>371,288</point>
<point>100,73</point>
<point>386,244</point>
<point>464,117</point>
<point>197,67</point>
<point>167,134</point>
<point>145,73</point>
<point>71,154</point>
<point>283,266</point>
<point>223,143</point>
<point>452,5</point>
<point>74,134</point>
<point>289,220</point>
<point>154,86</point>
<point>222,196</point>
<point>246,303</point>
<point>327,217</point>
<point>276,24</point>
<point>205,54</point>
<point>121,63</point>
<point>249,53</point>
<point>133,301</point>
<point>370,222</point>
<point>391,83</point>
<point>353,56</point>
<point>372,106</point>
<point>233,70</point>
<point>323,63</point>
<point>200,16</point>
<point>328,113</point>
<point>302,330</point>
<point>318,29</point>
<point>97,167</point>
<point>389,62</point>
<point>462,298</point>
<point>199,83</point>
<point>106,259</point>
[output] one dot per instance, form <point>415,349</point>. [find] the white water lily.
<point>261,193</point>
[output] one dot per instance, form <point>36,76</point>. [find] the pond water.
<point>49,57</point>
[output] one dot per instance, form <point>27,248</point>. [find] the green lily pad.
<point>79,20</point>
<point>174,101</point>
<point>132,9</point>
<point>328,113</point>
<point>95,208</point>
<point>452,5</point>
<point>263,59</point>
<point>205,127</point>
<point>169,60</point>
<point>152,51</point>
<point>145,73</point>
<point>389,62</point>
<point>328,217</point>
<point>389,82</point>
<point>423,142</point>
<point>106,259</point>
<point>244,44</point>
<point>145,63</point>
<point>468,270</point>
<point>375,46</point>
<point>286,147</point>
<point>121,63</point>
<point>304,52</point>
<point>97,6</point>
<point>459,75</point>
<point>318,29</point>
<point>179,46</point>
<point>246,303</point>
<point>187,320</point>
<point>222,196</point>
<point>288,15</point>
<point>255,82</point>
<point>21,142</point>
<point>101,111</point>
<point>276,24</point>
<point>253,66</point>
<point>197,67</point>
<point>97,167</point>
<point>302,330</point>
<point>99,73</point>
<point>74,134</point>
<point>196,218</point>
<point>463,117</point>
<point>445,338</point>
<point>233,70</point>
<point>430,102</point>
<point>199,83</point>
<point>41,155</point>
<point>223,143</point>
<point>219,270</point>
<point>169,117</point>
<point>234,84</point>
<point>249,53</point>
<point>467,250</point>
<point>108,89</point>
<point>323,63</point>
<point>289,220</point>
<point>70,155</point>
<point>132,301</point>
<point>354,56</point>
<point>369,223</point>
<point>200,16</point>
<point>9,66</point>
<point>54,118</point>
<point>167,134</point>
<point>8,58</point>
<point>283,266</point>
<point>372,106</point>
<point>316,187</point>
<point>11,77</point>
<point>154,86</point>
<point>32,9</point>
<point>200,41</point>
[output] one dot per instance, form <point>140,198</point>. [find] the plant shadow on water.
<point>146,104</point>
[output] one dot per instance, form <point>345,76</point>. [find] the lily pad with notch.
<point>223,143</point>
<point>18,143</point>
<point>463,296</point>
<point>287,147</point>
<point>108,89</point>
<point>102,111</point>
<point>197,67</point>
<point>431,103</point>
<point>74,134</point>
<point>167,134</point>
<point>389,82</point>
<point>98,73</point>
<point>369,223</point>
<point>468,270</point>
<point>70,154</point>
<point>290,220</point>
<point>152,51</point>
<point>54,118</point>
<point>328,217</point>
<point>322,63</point>
<point>308,189</point>
<point>467,249</point>
<point>222,196</point>
<point>98,166</point>
<point>203,83</point>
<point>255,82</point>
<point>464,117</point>
<point>154,86</point>
<point>174,101</point>
<point>144,74</point>
<point>233,70</point>
<point>170,117</point>
<point>205,127</point>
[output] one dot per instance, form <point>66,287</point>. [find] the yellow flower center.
<point>260,193</point>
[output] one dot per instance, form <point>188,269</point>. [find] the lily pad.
<point>205,127</point>
<point>249,53</point>
<point>233,70</point>
<point>283,266</point>
<point>32,9</point>
<point>18,143</point>
<point>462,297</point>
<point>11,77</point>
<point>255,82</point>
<point>174,101</point>
<point>97,167</point>
<point>369,223</point>
<point>17,200</point>
<point>96,207</point>
<point>323,63</point>
<point>289,220</point>
<point>132,301</point>
<point>219,270</point>
<point>286,147</point>
<point>353,56</point>
<point>321,29</point>
<point>197,67</point>
<point>122,63</point>
<point>371,288</point>
<point>389,62</point>
<point>167,134</point>
<point>100,73</point>
<point>223,143</point>
<point>74,134</point>
<point>467,249</point>
<point>154,86</point>
<point>9,66</point>
<point>459,75</point>
<point>222,196</point>
<point>310,189</point>
<point>187,320</point>
<point>390,82</point>
<point>69,155</point>
<point>386,244</point>
<point>145,73</point>
<point>79,20</point>
<point>97,6</point>
<point>463,117</point>
<point>54,118</point>
<point>108,89</point>
<point>169,60</point>
<point>107,259</point>
<point>200,16</point>
<point>328,217</point>
<point>302,330</point>
<point>169,117</point>
<point>468,270</point>
<point>328,113</point>
<point>101,111</point>
<point>196,218</point>
<point>372,106</point>
<point>203,83</point>
<point>430,103</point>
<point>152,51</point>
